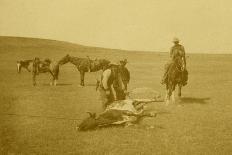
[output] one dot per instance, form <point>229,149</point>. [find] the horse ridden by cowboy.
<point>177,50</point>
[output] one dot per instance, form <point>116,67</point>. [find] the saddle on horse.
<point>41,66</point>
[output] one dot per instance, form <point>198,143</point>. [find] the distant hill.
<point>27,48</point>
<point>36,42</point>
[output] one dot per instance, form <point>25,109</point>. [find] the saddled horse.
<point>85,65</point>
<point>176,75</point>
<point>46,66</point>
<point>23,64</point>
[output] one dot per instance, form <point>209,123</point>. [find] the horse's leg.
<point>53,78</point>
<point>173,93</point>
<point>56,71</point>
<point>173,96</point>
<point>55,82</point>
<point>34,79</point>
<point>179,90</point>
<point>168,94</point>
<point>18,67</point>
<point>82,75</point>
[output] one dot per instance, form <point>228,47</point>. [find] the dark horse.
<point>176,75</point>
<point>85,65</point>
<point>46,66</point>
<point>23,64</point>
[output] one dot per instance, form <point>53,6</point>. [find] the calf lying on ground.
<point>122,112</point>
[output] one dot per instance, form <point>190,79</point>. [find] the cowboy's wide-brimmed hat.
<point>175,40</point>
<point>123,61</point>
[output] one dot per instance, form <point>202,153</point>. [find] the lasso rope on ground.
<point>38,116</point>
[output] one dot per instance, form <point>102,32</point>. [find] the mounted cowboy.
<point>177,50</point>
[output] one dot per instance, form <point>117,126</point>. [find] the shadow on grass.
<point>90,84</point>
<point>132,126</point>
<point>58,84</point>
<point>194,100</point>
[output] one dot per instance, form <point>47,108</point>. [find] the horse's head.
<point>179,61</point>
<point>19,66</point>
<point>64,60</point>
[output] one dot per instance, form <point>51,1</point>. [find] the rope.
<point>37,116</point>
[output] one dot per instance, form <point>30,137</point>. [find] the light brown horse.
<point>85,65</point>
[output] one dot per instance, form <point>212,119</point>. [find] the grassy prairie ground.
<point>43,119</point>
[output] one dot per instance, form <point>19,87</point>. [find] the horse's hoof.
<point>80,86</point>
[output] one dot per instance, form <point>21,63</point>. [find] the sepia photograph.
<point>115,77</point>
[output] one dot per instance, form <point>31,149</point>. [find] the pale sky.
<point>201,25</point>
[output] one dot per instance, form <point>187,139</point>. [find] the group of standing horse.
<point>112,84</point>
<point>47,66</point>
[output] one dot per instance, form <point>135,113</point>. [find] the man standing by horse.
<point>177,50</point>
<point>111,86</point>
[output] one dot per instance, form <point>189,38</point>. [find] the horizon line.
<point>129,50</point>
